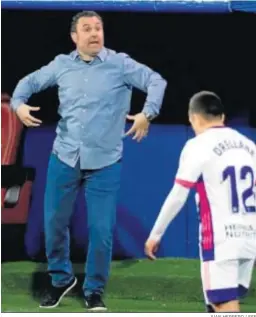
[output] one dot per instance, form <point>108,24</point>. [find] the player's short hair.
<point>207,104</point>
<point>83,14</point>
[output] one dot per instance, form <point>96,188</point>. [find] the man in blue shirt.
<point>94,87</point>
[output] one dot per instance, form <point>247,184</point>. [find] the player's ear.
<point>74,37</point>
<point>223,118</point>
<point>198,119</point>
<point>192,116</point>
<point>189,117</point>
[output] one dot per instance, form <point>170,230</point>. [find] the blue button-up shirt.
<point>94,100</point>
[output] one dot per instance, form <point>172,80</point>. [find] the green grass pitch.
<point>166,285</point>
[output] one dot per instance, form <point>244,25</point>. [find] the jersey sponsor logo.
<point>240,231</point>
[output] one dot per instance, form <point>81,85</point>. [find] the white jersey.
<point>221,164</point>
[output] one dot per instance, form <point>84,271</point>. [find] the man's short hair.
<point>83,14</point>
<point>206,103</point>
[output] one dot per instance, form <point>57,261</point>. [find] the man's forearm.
<point>155,94</point>
<point>171,207</point>
<point>145,79</point>
<point>22,92</point>
<point>33,83</point>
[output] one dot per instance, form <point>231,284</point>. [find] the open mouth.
<point>94,42</point>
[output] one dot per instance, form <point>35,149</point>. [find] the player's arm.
<point>188,173</point>
<point>171,207</point>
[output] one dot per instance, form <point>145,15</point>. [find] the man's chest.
<point>95,79</point>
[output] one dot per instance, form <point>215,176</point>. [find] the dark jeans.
<point>101,190</point>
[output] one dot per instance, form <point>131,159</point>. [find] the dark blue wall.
<point>148,173</point>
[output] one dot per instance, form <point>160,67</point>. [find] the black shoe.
<point>53,297</point>
<point>210,309</point>
<point>94,302</point>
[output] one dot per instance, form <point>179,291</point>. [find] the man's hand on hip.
<point>23,112</point>
<point>140,126</point>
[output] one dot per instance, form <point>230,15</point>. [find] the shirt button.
<point>85,95</point>
<point>86,80</point>
<point>81,143</point>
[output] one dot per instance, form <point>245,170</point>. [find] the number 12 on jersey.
<point>235,176</point>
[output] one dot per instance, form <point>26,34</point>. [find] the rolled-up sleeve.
<point>144,78</point>
<point>35,82</point>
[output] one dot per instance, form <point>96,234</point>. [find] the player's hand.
<point>140,126</point>
<point>23,112</point>
<point>151,247</point>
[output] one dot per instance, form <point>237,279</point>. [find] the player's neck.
<point>212,125</point>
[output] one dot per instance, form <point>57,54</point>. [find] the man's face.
<point>89,35</point>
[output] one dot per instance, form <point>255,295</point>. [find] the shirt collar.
<point>218,127</point>
<point>102,54</point>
